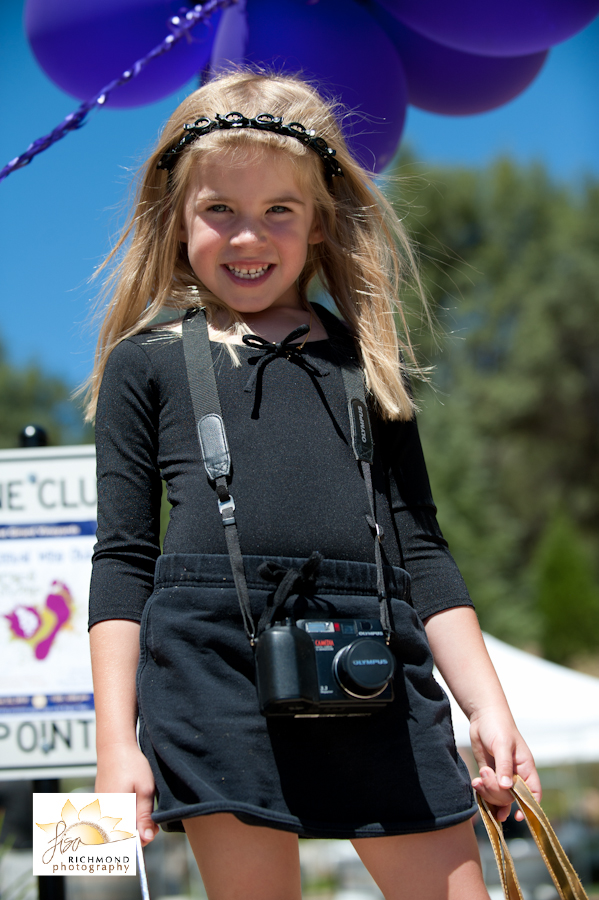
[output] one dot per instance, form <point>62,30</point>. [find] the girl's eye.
<point>279,209</point>
<point>218,207</point>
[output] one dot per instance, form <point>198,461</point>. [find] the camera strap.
<point>216,455</point>
<point>363,447</point>
<point>214,446</point>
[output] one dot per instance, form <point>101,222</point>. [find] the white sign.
<point>84,834</point>
<point>47,533</point>
<point>38,746</point>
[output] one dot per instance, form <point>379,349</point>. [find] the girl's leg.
<point>437,865</point>
<point>244,862</point>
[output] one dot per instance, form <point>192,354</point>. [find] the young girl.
<point>240,209</point>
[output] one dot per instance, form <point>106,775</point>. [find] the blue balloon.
<point>83,45</point>
<point>338,45</point>
<point>495,27</point>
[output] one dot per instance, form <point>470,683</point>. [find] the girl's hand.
<point>501,753</point>
<point>499,749</point>
<point>122,768</point>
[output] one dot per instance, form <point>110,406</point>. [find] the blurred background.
<point>505,208</point>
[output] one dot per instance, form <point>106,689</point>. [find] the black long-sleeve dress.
<point>297,489</point>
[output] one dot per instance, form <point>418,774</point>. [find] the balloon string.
<point>179,25</point>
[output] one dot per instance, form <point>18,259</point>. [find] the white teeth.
<point>248,273</point>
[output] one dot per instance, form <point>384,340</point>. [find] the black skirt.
<point>396,771</point>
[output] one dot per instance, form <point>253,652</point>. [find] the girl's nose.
<point>249,233</point>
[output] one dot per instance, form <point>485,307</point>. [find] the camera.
<point>333,667</point>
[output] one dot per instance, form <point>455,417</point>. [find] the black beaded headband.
<point>262,122</point>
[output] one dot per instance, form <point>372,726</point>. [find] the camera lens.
<point>364,667</point>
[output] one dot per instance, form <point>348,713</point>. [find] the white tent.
<point>556,709</point>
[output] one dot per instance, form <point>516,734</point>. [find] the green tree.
<point>511,264</point>
<point>28,395</point>
<point>565,590</point>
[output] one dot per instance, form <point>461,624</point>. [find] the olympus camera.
<point>311,668</point>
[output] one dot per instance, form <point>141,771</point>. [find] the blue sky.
<point>59,214</point>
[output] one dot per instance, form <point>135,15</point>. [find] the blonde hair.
<point>363,262</point>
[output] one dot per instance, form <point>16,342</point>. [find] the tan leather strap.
<point>560,868</point>
<point>558,865</point>
<point>503,857</point>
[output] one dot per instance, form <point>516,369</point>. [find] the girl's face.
<point>247,226</point>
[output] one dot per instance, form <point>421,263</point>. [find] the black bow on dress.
<point>286,349</point>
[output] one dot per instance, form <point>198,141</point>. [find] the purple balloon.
<point>446,81</point>
<point>82,45</point>
<point>231,41</point>
<point>495,27</point>
<point>338,45</point>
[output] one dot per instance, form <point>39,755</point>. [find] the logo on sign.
<point>39,625</point>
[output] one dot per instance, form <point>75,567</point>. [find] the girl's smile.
<point>241,272</point>
<point>248,224</point>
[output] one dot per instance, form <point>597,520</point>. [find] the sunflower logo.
<point>88,826</point>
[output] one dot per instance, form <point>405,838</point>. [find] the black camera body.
<point>333,667</point>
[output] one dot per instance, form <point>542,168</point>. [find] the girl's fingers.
<point>529,774</point>
<point>504,767</point>
<point>531,777</point>
<point>488,786</point>
<point>146,827</point>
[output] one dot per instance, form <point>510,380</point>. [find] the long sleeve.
<point>436,581</point>
<point>129,487</point>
